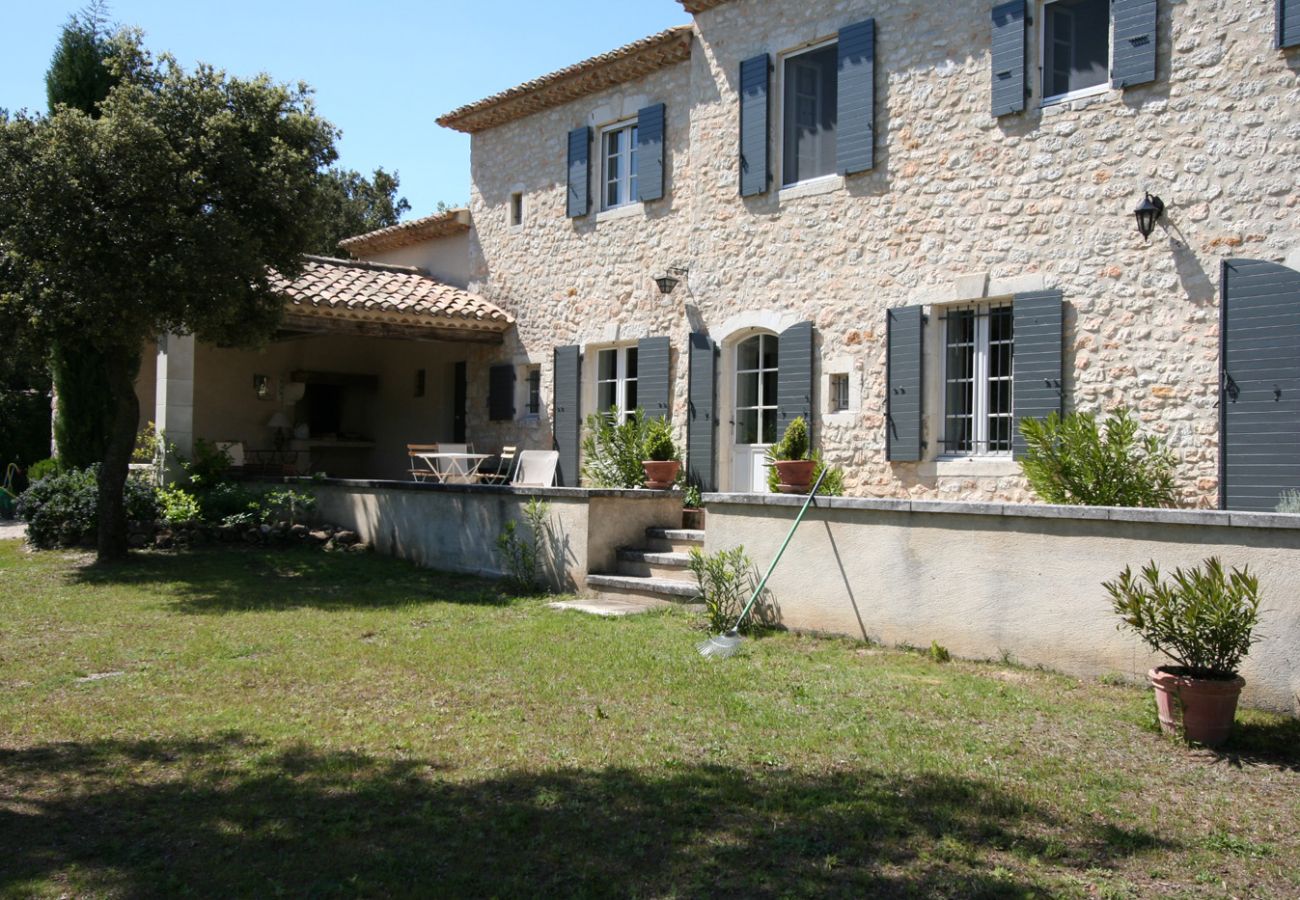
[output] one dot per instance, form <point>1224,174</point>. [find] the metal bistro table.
<point>466,473</point>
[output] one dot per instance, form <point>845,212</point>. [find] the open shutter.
<point>1133,60</point>
<point>1008,55</point>
<point>794,377</point>
<point>856,128</point>
<point>754,164</point>
<point>1036,359</point>
<point>579,172</point>
<point>701,416</point>
<point>501,393</point>
<point>650,153</point>
<point>903,331</point>
<point>1288,23</point>
<point>653,382</point>
<point>567,418</point>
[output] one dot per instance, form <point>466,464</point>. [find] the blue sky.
<point>382,72</point>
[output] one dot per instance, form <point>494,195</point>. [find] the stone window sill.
<point>826,184</point>
<point>626,211</point>
<point>970,467</point>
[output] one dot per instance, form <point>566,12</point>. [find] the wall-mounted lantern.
<point>1148,213</point>
<point>670,279</point>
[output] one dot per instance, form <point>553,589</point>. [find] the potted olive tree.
<point>663,462</point>
<point>1203,620</point>
<point>792,460</point>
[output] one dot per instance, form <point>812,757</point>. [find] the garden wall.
<point>455,527</point>
<point>990,579</point>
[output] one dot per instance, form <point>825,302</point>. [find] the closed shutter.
<point>567,418</point>
<point>794,377</point>
<point>650,153</point>
<point>653,379</point>
<point>1288,23</point>
<point>904,327</point>
<point>856,128</point>
<point>501,393</point>
<point>1259,406</point>
<point>1036,328</point>
<point>754,174</point>
<point>1008,55</point>
<point>701,416</point>
<point>579,172</point>
<point>1133,60</point>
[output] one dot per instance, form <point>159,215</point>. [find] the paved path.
<point>11,530</point>
<point>610,607</point>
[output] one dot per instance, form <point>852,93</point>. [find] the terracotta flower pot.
<point>1202,709</point>
<point>794,476</point>
<point>693,519</point>
<point>660,475</point>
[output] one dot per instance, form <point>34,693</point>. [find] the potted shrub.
<point>662,464</point>
<point>790,456</point>
<point>692,513</point>
<point>1203,620</point>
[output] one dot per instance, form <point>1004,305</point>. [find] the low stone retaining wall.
<point>986,580</point>
<point>455,527</point>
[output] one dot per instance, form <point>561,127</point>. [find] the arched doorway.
<point>755,362</point>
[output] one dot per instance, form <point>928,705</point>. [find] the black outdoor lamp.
<point>669,280</point>
<point>1148,213</point>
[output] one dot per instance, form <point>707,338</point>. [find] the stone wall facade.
<point>959,206</point>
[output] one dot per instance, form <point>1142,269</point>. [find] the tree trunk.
<point>120,368</point>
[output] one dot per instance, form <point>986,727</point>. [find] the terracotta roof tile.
<point>587,77</point>
<point>400,294</point>
<point>453,221</point>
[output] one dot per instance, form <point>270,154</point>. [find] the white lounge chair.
<point>536,468</point>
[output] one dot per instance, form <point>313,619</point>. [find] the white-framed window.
<point>756,368</point>
<point>839,393</point>
<point>533,387</point>
<point>809,113</point>
<point>1074,42</point>
<point>618,165</point>
<point>978,346</point>
<point>616,381</point>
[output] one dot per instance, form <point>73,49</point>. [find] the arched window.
<point>756,365</point>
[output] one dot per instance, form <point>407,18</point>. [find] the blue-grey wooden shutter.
<point>653,377</point>
<point>754,164</point>
<point>501,393</point>
<point>701,416</point>
<point>1288,23</point>
<point>568,416</point>
<point>1133,59</point>
<point>1008,55</point>
<point>579,172</point>
<point>1036,330</point>
<point>1259,405</point>
<point>856,124</point>
<point>650,127</point>
<point>794,377</point>
<point>904,327</point>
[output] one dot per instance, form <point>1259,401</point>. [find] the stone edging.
<point>489,489</point>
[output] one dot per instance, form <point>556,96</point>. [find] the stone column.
<point>174,394</point>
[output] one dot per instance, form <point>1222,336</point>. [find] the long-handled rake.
<point>728,644</point>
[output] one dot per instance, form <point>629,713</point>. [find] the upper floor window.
<point>618,165</point>
<point>809,114</point>
<point>1076,47</point>
<point>977,350</point>
<point>616,382</point>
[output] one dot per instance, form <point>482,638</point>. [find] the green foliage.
<point>521,553</point>
<point>24,404</point>
<point>42,469</point>
<point>1203,619</point>
<point>179,506</point>
<point>939,653</point>
<point>146,445</point>
<point>1068,460</point>
<point>225,499</point>
<point>209,465</point>
<point>62,510</point>
<point>285,507</point>
<point>1288,502</point>
<point>659,443</point>
<point>793,444</point>
<point>726,581</point>
<point>612,452</point>
<point>78,76</point>
<point>692,499</point>
<point>832,484</point>
<point>351,204</point>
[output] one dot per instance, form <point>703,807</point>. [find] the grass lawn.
<point>243,722</point>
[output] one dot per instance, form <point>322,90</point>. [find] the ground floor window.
<point>616,382</point>
<point>977,360</point>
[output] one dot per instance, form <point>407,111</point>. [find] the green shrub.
<point>726,581</point>
<point>793,444</point>
<point>659,443</point>
<point>612,453</point>
<point>225,499</point>
<point>522,554</point>
<point>693,499</point>
<point>939,653</point>
<point>63,510</point>
<point>832,484</point>
<point>1068,460</point>
<point>146,445</point>
<point>1288,502</point>
<point>1203,619</point>
<point>179,506</point>
<point>43,468</point>
<point>286,507</point>
<point>209,465</point>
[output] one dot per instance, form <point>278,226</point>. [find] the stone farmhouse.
<point>912,223</point>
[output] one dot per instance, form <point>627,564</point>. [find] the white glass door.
<point>755,412</point>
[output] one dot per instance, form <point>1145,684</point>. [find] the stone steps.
<point>653,564</point>
<point>655,573</point>
<point>673,540</point>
